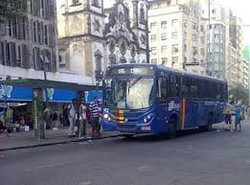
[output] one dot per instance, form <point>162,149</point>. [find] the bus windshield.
<point>132,93</point>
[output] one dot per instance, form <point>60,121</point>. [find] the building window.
<point>185,59</point>
<point>175,35</point>
<point>34,32</point>
<point>153,50</point>
<point>202,28</point>
<point>164,61</point>
<point>195,51</point>
<point>96,3</point>
<point>153,38</point>
<point>22,30</point>
<point>42,10</point>
<point>46,38</point>
<point>163,24</point>
<point>185,47</point>
<point>195,26</point>
<point>9,28</point>
<point>164,36</point>
<point>194,38</point>
<point>75,2</point>
<point>216,48</point>
<point>185,24</point>
<point>185,36</point>
<point>175,24</point>
<point>174,60</point>
<point>98,60</point>
<point>18,56</point>
<point>213,11</point>
<point>164,49</point>
<point>153,61</point>
<point>175,48</point>
<point>152,25</point>
<point>202,51</point>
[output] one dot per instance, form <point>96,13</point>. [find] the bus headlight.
<point>106,117</point>
<point>148,118</point>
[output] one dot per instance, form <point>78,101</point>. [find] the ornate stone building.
<point>93,38</point>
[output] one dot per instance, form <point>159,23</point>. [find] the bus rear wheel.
<point>172,132</point>
<point>128,136</point>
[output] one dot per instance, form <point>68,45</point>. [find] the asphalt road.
<point>208,158</point>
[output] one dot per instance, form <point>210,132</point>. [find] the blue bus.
<point>154,99</point>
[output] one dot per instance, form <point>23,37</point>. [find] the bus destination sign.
<point>131,71</point>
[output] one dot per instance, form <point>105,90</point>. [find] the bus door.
<point>162,97</point>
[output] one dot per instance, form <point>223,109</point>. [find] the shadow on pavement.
<point>162,137</point>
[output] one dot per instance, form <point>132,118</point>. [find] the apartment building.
<point>177,36</point>
<point>24,41</point>
<point>216,39</point>
<point>234,54</point>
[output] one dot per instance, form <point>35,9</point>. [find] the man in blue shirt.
<point>237,118</point>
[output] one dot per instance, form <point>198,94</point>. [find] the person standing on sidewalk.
<point>82,119</point>
<point>71,117</point>
<point>94,108</point>
<point>46,117</point>
<point>237,118</point>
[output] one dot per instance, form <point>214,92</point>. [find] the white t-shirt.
<point>72,110</point>
<point>82,111</point>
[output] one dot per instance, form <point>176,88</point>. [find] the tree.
<point>12,8</point>
<point>240,93</point>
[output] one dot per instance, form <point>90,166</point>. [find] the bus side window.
<point>184,86</point>
<point>163,89</point>
<point>202,89</point>
<point>174,86</point>
<point>223,89</point>
<point>212,90</point>
<point>193,87</point>
<point>218,91</point>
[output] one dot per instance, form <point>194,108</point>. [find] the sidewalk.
<point>21,140</point>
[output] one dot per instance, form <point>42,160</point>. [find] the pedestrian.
<point>237,118</point>
<point>47,118</point>
<point>71,117</point>
<point>3,128</point>
<point>82,119</point>
<point>95,110</point>
<point>227,115</point>
<point>55,121</point>
<point>65,120</point>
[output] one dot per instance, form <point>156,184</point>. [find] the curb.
<point>56,143</point>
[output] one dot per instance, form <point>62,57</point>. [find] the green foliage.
<point>12,8</point>
<point>240,93</point>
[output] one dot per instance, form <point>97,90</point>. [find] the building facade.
<point>234,54</point>
<point>216,40</point>
<point>93,38</point>
<point>177,34</point>
<point>27,41</point>
<point>224,44</point>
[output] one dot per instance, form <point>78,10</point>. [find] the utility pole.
<point>209,72</point>
<point>45,61</point>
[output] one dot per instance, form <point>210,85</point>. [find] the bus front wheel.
<point>172,132</point>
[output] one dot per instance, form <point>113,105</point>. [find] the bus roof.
<point>171,70</point>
